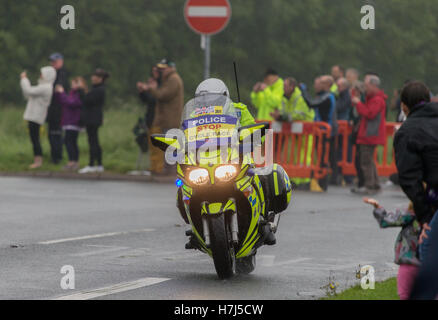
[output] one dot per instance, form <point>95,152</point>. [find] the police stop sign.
<point>207,17</point>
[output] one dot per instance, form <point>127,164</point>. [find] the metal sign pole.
<point>207,60</point>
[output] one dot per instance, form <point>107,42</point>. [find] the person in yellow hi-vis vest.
<point>294,108</point>
<point>267,95</point>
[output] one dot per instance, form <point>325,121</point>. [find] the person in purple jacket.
<point>71,116</point>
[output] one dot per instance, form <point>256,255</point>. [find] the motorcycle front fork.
<point>234,228</point>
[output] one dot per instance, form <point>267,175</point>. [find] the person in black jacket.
<point>55,109</point>
<point>426,284</point>
<point>325,108</point>
<point>416,156</point>
<point>147,98</point>
<point>92,118</point>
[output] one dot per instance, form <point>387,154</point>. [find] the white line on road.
<point>293,261</point>
<point>265,260</point>
<point>96,252</point>
<point>94,236</point>
<point>117,288</point>
<point>323,266</point>
<point>269,261</point>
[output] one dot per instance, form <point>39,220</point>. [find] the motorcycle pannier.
<point>277,188</point>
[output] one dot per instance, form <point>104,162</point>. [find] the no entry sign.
<point>207,17</point>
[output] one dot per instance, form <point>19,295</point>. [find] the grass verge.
<point>120,150</point>
<point>385,290</point>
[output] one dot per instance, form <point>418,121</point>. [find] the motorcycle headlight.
<point>198,176</point>
<point>225,173</point>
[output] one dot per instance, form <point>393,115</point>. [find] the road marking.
<point>117,288</point>
<point>292,261</point>
<point>323,266</point>
<point>265,260</point>
<point>95,252</point>
<point>269,261</point>
<point>94,236</point>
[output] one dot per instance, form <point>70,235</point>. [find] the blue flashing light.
<point>179,183</point>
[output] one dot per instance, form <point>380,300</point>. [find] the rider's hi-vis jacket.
<point>246,117</point>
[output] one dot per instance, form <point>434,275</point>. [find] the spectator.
<point>170,104</point>
<point>93,102</point>
<point>343,111</point>
<point>294,108</point>
<point>55,112</point>
<point>70,121</point>
<point>406,244</point>
<point>357,90</point>
<point>395,104</point>
<point>343,105</point>
<point>337,73</point>
<point>371,132</point>
<point>426,284</point>
<point>147,98</point>
<point>352,76</point>
<point>266,96</point>
<point>325,110</point>
<point>38,100</point>
<point>416,154</point>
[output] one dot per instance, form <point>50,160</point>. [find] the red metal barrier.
<point>385,168</point>
<point>299,148</point>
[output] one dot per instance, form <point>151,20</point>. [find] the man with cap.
<point>55,111</point>
<point>168,110</point>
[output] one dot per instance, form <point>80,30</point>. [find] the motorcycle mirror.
<point>247,131</point>
<point>162,142</point>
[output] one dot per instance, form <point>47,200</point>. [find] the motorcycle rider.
<point>217,86</point>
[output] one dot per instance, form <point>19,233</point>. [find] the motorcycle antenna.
<point>237,81</point>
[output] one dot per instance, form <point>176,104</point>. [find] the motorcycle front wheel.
<point>221,247</point>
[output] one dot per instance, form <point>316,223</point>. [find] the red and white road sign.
<point>207,16</point>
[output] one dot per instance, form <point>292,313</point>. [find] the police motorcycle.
<point>233,207</point>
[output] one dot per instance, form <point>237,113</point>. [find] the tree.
<point>298,38</point>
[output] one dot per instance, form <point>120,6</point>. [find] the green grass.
<point>386,290</point>
<point>120,150</point>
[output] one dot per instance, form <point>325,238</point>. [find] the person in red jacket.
<point>371,132</point>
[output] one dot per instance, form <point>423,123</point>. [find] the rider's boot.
<point>191,243</point>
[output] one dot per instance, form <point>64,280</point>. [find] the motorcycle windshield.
<point>210,118</point>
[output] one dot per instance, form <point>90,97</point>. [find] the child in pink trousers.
<point>405,246</point>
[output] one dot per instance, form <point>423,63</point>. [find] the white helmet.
<point>212,85</point>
